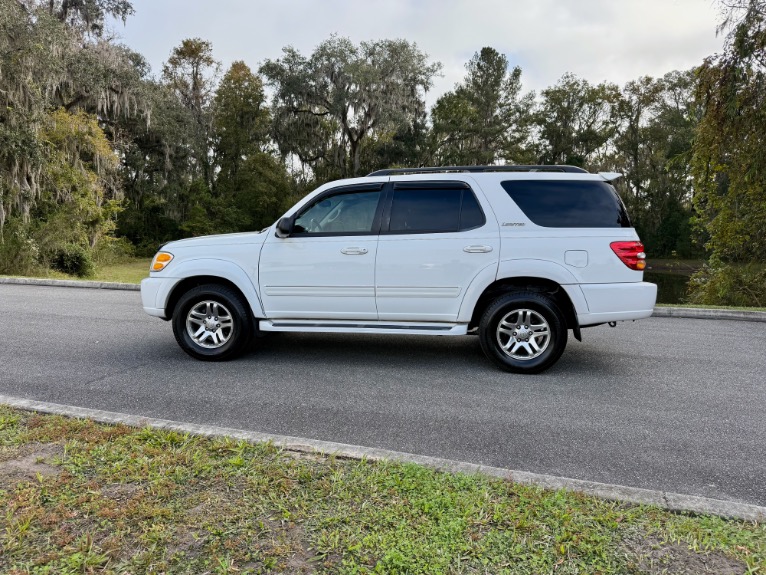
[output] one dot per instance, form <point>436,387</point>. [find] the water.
<point>671,287</point>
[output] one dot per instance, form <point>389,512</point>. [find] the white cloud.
<point>614,40</point>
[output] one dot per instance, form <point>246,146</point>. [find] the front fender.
<point>214,268</point>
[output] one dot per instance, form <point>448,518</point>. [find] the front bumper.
<point>154,294</point>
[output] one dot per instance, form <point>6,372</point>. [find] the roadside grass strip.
<point>84,497</point>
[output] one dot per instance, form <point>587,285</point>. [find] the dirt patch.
<point>33,460</point>
<point>303,559</point>
<point>187,544</point>
<point>654,557</point>
<point>120,492</point>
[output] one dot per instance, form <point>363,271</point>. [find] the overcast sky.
<point>615,40</point>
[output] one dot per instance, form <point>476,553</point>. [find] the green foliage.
<point>657,123</point>
<point>485,119</point>
<point>72,259</point>
<point>718,283</point>
<point>19,253</point>
<point>729,160</point>
<point>327,105</point>
<point>576,121</point>
<point>111,251</point>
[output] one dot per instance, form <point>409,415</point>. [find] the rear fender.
<point>522,268</point>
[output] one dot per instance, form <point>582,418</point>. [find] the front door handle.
<point>354,251</point>
<point>477,249</point>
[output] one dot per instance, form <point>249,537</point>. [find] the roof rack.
<point>439,170</point>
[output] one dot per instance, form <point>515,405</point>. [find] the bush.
<point>19,253</point>
<point>72,259</point>
<point>110,251</point>
<point>741,285</point>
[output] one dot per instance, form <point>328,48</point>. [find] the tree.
<point>252,186</point>
<point>328,105</point>
<point>88,15</point>
<point>241,119</point>
<point>191,74</point>
<point>575,121</point>
<point>729,161</point>
<point>657,119</point>
<point>485,118</point>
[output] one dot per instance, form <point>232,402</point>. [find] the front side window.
<point>434,209</point>
<point>343,213</point>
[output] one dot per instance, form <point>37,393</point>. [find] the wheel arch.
<point>201,272</point>
<point>527,283</point>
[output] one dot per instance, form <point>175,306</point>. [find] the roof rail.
<point>509,168</point>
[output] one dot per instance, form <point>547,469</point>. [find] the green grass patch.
<point>131,272</point>
<point>81,497</point>
<point>128,271</point>
<point>701,306</point>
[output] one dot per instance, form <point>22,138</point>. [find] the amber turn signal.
<point>161,260</point>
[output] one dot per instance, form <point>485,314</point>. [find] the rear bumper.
<point>617,302</point>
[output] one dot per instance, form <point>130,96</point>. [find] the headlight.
<point>160,260</point>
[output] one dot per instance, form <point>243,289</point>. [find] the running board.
<point>403,327</point>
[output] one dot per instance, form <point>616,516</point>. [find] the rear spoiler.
<point>610,176</point>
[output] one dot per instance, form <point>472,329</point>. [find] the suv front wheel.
<point>523,332</point>
<point>211,323</point>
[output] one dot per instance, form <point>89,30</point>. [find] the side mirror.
<point>285,227</point>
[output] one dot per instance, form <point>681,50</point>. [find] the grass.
<point>702,306</point>
<point>81,497</point>
<point>130,271</point>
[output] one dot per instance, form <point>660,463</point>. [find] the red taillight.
<point>631,253</point>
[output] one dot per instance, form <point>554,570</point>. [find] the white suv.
<point>519,254</point>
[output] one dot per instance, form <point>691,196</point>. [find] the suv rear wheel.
<point>211,323</point>
<point>523,332</point>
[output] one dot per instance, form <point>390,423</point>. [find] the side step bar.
<point>322,326</point>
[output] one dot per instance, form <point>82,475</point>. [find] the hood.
<point>218,240</point>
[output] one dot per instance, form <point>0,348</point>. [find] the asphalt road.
<point>667,404</point>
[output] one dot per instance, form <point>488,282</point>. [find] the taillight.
<point>631,253</point>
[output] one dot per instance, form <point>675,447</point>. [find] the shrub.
<point>72,259</point>
<point>729,284</point>
<point>19,253</point>
<point>109,251</point>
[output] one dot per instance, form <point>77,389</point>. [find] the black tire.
<point>202,297</point>
<point>538,356</point>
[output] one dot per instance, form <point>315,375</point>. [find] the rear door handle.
<point>477,249</point>
<point>354,251</point>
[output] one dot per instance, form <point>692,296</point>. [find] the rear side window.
<point>568,204</point>
<point>416,208</point>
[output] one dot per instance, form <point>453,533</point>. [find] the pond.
<point>671,287</point>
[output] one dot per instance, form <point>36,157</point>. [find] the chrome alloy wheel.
<point>209,324</point>
<point>523,334</point>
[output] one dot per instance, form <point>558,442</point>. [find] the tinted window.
<point>471,215</point>
<point>568,204</point>
<point>421,210</point>
<point>426,210</point>
<point>350,212</point>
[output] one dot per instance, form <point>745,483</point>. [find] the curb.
<point>663,499</point>
<point>699,313</point>
<point>681,312</point>
<point>70,283</point>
